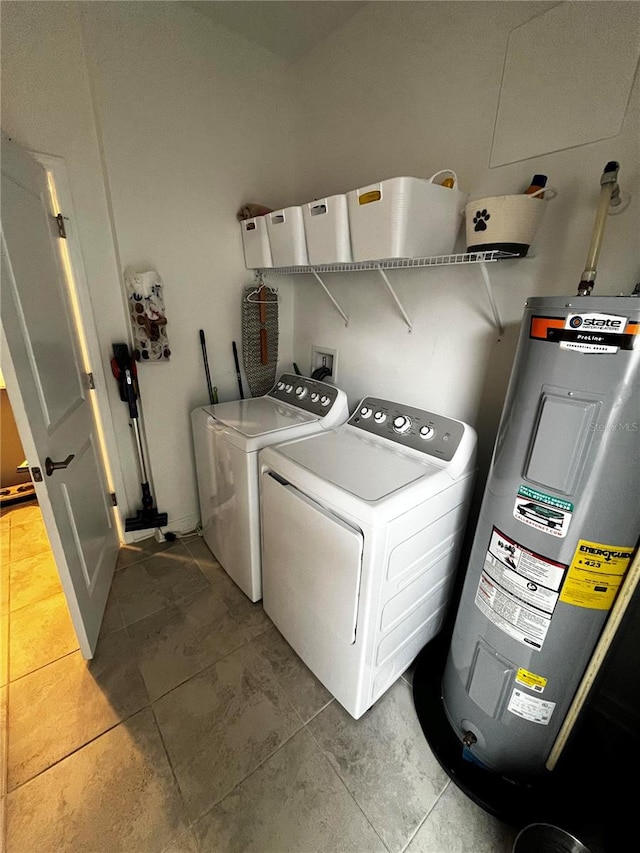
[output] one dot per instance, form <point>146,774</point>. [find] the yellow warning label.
<point>531,680</point>
<point>595,575</point>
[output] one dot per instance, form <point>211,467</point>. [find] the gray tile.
<point>130,554</point>
<point>385,762</point>
<point>60,707</point>
<point>39,634</point>
<point>293,803</point>
<point>151,584</point>
<point>304,691</point>
<point>222,724</point>
<point>117,795</point>
<point>458,825</point>
<point>184,639</point>
<point>33,579</point>
<point>187,844</point>
<point>245,612</point>
<point>200,552</point>
<point>112,619</point>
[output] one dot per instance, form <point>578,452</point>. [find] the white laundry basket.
<point>326,224</point>
<point>405,218</point>
<point>287,238</point>
<point>505,222</point>
<point>255,241</point>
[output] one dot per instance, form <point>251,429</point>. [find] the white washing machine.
<point>227,438</point>
<point>361,531</point>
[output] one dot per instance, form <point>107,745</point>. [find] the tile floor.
<point>195,727</point>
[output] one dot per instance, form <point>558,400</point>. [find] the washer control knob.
<point>365,412</point>
<point>315,397</point>
<point>427,432</point>
<point>288,388</point>
<point>401,424</point>
<point>280,386</point>
<point>380,417</point>
<point>301,392</point>
<point>324,400</point>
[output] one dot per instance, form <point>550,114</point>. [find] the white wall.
<point>192,122</point>
<point>408,89</point>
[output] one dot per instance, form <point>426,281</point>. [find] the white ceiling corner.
<point>287,28</point>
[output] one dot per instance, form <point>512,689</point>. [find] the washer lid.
<point>259,416</point>
<point>366,467</point>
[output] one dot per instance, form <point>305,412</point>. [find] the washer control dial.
<point>288,388</point>
<point>427,432</point>
<point>324,400</point>
<point>401,424</point>
<point>366,412</point>
<point>380,417</point>
<point>280,386</point>
<point>301,392</point>
<point>315,397</point>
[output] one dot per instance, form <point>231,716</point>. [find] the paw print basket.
<point>505,222</point>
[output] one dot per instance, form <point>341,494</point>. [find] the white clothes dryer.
<point>227,438</point>
<point>361,532</point>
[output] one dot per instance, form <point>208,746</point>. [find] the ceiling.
<point>288,29</point>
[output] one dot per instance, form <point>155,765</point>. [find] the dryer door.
<point>311,567</point>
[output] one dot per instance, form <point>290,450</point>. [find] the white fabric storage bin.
<point>255,241</point>
<point>405,218</point>
<point>326,224</point>
<point>287,237</point>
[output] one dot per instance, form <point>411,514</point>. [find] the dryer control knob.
<point>401,424</point>
<point>365,412</point>
<point>324,401</point>
<point>380,417</point>
<point>301,392</point>
<point>315,397</point>
<point>288,388</point>
<point>427,432</point>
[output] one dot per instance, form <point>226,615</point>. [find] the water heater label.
<point>589,332</point>
<point>530,707</point>
<point>518,590</point>
<point>543,512</point>
<point>595,575</point>
<point>534,682</point>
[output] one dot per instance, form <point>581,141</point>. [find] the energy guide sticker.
<point>595,575</point>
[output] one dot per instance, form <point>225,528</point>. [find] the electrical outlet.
<point>325,357</point>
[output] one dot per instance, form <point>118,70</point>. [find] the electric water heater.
<point>558,526</point>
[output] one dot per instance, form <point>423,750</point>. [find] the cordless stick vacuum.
<point>123,368</point>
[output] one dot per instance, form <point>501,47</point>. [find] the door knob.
<point>50,466</point>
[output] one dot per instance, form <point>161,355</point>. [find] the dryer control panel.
<point>308,394</point>
<point>427,432</point>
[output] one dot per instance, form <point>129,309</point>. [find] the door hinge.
<point>92,384</point>
<point>114,499</point>
<point>62,231</point>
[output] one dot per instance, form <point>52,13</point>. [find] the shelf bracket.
<point>328,292</point>
<point>395,298</point>
<point>492,301</point>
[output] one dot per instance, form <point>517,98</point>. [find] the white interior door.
<point>49,393</point>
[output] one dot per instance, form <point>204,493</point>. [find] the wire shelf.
<point>395,263</point>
